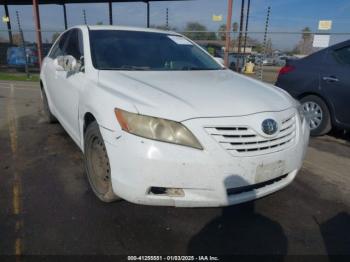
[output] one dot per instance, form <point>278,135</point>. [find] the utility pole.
<point>228,31</point>
<point>65,16</point>
<point>110,11</point>
<point>8,24</point>
<point>38,30</point>
<point>148,14</point>
<point>23,45</point>
<point>264,44</point>
<point>246,27</point>
<point>240,35</point>
<point>84,17</point>
<point>167,19</point>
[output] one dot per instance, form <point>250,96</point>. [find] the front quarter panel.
<point>101,100</point>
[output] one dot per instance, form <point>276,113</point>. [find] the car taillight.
<point>286,69</point>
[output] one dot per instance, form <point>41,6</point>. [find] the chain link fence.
<point>265,61</point>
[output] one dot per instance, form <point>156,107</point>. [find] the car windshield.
<point>133,50</point>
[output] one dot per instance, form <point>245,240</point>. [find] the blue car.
<point>322,84</point>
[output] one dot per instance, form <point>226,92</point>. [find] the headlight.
<point>156,129</point>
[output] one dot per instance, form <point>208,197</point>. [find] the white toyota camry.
<point>161,122</point>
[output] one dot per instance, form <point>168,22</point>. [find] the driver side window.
<point>58,48</point>
<point>74,45</point>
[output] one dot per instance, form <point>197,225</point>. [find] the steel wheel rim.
<point>313,113</point>
<point>98,166</point>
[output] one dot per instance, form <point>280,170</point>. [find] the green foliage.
<point>222,32</point>
<point>18,77</point>
<point>306,33</point>
<point>164,27</point>
<point>235,27</point>
<point>197,31</point>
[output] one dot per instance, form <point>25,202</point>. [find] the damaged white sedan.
<point>161,122</point>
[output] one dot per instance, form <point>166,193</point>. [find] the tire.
<point>96,164</point>
<point>46,109</point>
<point>314,106</point>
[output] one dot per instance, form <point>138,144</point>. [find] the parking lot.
<point>48,208</point>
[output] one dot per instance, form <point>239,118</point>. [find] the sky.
<point>286,16</point>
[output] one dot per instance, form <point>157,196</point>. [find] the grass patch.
<point>19,77</point>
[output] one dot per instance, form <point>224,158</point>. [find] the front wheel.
<point>97,165</point>
<point>317,113</point>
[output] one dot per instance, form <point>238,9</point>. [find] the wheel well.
<point>301,96</point>
<point>88,119</point>
<point>314,94</point>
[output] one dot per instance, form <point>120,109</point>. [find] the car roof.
<point>129,28</point>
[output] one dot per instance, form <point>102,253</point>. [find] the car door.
<point>335,82</point>
<point>71,85</point>
<point>50,74</point>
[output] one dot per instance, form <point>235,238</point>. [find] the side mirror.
<point>67,63</point>
<point>219,60</point>
<point>59,63</point>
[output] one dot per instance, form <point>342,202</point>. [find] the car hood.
<point>183,95</point>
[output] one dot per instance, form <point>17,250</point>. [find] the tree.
<point>17,39</point>
<point>222,32</point>
<point>269,47</point>
<point>304,46</point>
<point>164,27</point>
<point>197,31</point>
<point>306,33</point>
<point>235,27</point>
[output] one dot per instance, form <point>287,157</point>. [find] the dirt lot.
<point>48,208</point>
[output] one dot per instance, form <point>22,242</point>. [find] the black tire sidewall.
<point>93,131</point>
<point>46,108</point>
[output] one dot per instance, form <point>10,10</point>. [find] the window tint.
<point>74,45</point>
<point>58,48</point>
<point>343,55</point>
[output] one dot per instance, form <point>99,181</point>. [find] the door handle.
<point>330,79</point>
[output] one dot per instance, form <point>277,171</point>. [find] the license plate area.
<point>265,172</point>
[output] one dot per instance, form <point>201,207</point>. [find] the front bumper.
<point>204,176</point>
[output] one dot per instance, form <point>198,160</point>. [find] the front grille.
<point>244,141</point>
